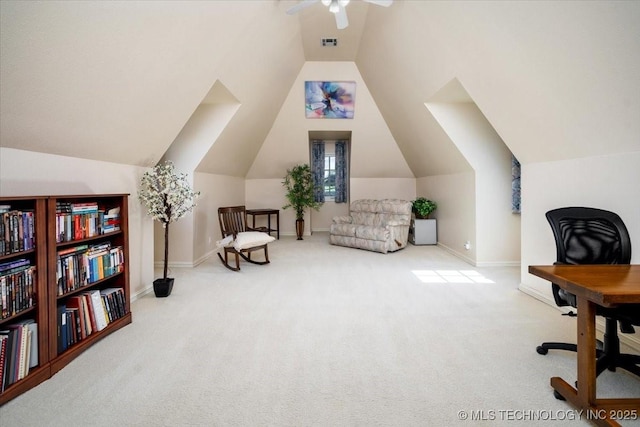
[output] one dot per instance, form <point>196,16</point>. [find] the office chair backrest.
<point>589,236</point>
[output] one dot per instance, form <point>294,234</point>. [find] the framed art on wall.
<point>329,100</point>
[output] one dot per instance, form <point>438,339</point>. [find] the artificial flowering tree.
<point>168,196</point>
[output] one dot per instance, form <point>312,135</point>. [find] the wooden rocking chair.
<point>233,220</point>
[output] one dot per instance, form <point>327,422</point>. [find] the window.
<point>516,197</point>
<point>329,175</point>
<point>330,168</point>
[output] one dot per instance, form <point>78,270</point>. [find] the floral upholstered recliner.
<point>374,225</point>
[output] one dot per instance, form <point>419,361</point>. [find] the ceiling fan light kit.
<point>337,7</point>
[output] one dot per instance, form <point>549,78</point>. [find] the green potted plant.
<point>300,193</point>
<point>423,207</point>
<point>168,196</point>
<point>423,230</point>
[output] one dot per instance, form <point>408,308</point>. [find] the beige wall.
<point>378,168</point>
<point>269,193</point>
<point>456,213</point>
<point>25,173</point>
<point>606,182</point>
<point>215,191</point>
<point>374,152</point>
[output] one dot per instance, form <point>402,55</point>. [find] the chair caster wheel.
<point>541,350</point>
<point>558,395</point>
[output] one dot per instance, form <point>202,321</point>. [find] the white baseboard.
<point>142,293</point>
<point>498,264</point>
<point>475,263</point>
<point>160,264</point>
<point>204,257</point>
<point>457,254</point>
<point>185,264</point>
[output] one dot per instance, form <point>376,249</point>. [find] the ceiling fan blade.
<point>302,5</point>
<point>385,3</point>
<point>341,18</point>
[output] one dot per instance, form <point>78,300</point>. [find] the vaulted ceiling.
<point>119,81</point>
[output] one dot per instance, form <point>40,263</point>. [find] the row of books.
<point>84,264</point>
<point>87,313</point>
<point>76,221</point>
<point>18,351</point>
<point>16,230</point>
<point>17,287</point>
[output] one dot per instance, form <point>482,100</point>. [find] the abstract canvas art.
<point>329,100</point>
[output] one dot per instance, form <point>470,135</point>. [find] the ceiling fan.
<point>337,7</point>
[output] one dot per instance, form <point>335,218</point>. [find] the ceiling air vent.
<point>329,42</point>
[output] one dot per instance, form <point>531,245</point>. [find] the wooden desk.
<point>605,285</point>
<point>268,212</point>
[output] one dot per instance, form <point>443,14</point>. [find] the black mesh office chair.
<point>595,236</point>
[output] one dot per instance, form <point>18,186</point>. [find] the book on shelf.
<point>3,355</point>
<point>68,322</point>
<point>82,265</point>
<point>16,231</point>
<point>8,337</point>
<point>25,352</point>
<point>114,298</point>
<point>63,207</point>
<point>32,326</point>
<point>110,223</point>
<point>73,323</point>
<point>77,302</point>
<point>10,356</point>
<point>85,207</point>
<point>19,346</point>
<point>89,312</point>
<point>89,320</point>
<point>98,310</point>
<point>17,289</point>
<point>9,267</point>
<point>76,221</point>
<point>62,328</point>
<point>94,311</point>
<point>108,309</point>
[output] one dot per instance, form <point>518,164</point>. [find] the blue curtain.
<point>341,172</point>
<point>515,185</point>
<point>317,168</point>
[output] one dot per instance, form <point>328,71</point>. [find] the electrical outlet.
<point>467,245</point>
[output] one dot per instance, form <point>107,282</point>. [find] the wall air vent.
<point>329,42</point>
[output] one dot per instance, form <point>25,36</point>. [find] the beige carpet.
<point>323,336</point>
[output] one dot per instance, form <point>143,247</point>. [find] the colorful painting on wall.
<point>329,100</point>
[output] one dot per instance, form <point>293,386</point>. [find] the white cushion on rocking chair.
<point>250,239</point>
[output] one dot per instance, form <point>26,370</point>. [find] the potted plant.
<point>422,207</point>
<point>300,193</point>
<point>423,230</point>
<point>168,197</point>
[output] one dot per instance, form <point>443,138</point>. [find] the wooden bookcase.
<point>59,359</point>
<point>52,295</point>
<point>38,311</point>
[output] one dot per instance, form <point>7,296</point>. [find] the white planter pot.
<point>423,232</point>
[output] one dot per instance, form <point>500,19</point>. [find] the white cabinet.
<point>423,232</point>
